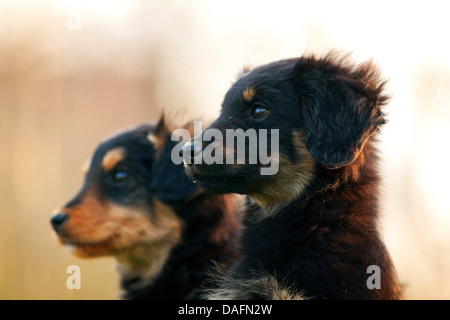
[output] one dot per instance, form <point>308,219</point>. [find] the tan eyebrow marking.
<point>112,157</point>
<point>249,93</point>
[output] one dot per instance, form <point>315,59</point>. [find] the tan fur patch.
<point>148,259</point>
<point>112,158</point>
<point>232,204</point>
<point>249,93</point>
<point>291,179</point>
<point>95,228</point>
<point>141,241</point>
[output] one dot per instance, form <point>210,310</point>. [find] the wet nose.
<point>58,220</point>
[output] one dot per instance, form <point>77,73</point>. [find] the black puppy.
<point>138,206</point>
<point>317,233</point>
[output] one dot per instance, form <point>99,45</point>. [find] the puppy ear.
<point>159,134</point>
<point>341,105</point>
<point>162,128</point>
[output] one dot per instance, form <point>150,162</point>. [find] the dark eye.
<point>259,112</point>
<point>120,176</point>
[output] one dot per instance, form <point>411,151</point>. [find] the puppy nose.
<point>58,220</point>
<point>190,152</point>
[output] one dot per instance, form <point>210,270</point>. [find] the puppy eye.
<point>259,112</point>
<point>120,176</point>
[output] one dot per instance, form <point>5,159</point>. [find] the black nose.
<point>58,220</point>
<point>189,153</point>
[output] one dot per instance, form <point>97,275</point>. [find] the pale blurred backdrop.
<point>71,72</point>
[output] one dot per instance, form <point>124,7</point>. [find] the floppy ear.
<point>169,180</point>
<point>341,105</point>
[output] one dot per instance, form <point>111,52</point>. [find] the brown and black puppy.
<point>141,208</point>
<point>317,233</point>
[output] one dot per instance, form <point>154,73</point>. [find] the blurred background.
<point>71,72</point>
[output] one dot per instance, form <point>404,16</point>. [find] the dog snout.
<point>58,220</point>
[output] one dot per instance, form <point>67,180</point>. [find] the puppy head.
<point>118,211</point>
<point>325,110</point>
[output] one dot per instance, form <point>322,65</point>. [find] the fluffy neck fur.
<point>322,243</point>
<point>209,238</point>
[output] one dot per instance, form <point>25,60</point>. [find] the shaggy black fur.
<point>318,230</point>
